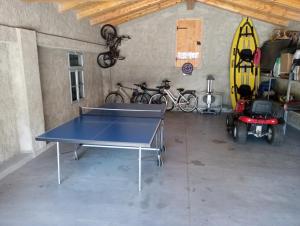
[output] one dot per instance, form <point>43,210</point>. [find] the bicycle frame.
<point>172,97</point>
<point>122,91</point>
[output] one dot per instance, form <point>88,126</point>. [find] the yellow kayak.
<point>242,68</point>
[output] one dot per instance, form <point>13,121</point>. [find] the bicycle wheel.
<point>108,32</point>
<point>188,102</point>
<point>157,99</point>
<point>105,60</point>
<point>169,104</point>
<point>142,98</point>
<point>114,97</point>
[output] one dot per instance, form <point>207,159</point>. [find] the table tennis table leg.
<point>140,168</point>
<point>58,161</point>
<point>156,139</point>
<point>162,139</point>
<point>77,146</point>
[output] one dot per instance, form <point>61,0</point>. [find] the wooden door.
<point>188,42</point>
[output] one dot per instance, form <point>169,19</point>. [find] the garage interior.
<point>207,176</point>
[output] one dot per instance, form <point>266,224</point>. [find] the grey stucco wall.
<point>151,51</point>
<point>21,103</point>
<point>9,145</point>
<point>55,82</point>
<point>44,17</point>
<point>21,51</point>
<point>293,25</point>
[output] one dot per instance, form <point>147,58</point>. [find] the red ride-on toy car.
<point>254,117</point>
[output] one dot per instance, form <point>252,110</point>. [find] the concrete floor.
<point>207,179</point>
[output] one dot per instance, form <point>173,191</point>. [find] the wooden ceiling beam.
<point>140,5</point>
<point>190,4</point>
<point>246,12</point>
<point>277,12</point>
<point>103,7</point>
<point>266,8</point>
<point>152,9</point>
<point>289,4</point>
<point>74,4</point>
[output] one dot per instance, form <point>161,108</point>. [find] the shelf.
<point>278,78</point>
<point>291,117</point>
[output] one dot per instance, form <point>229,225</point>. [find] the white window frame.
<point>76,70</point>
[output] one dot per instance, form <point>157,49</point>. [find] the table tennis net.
<point>119,112</point>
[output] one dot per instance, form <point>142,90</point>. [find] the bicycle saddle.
<point>180,90</point>
<point>190,91</point>
<point>119,84</point>
<point>166,81</point>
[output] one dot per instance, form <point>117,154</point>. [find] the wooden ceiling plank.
<point>245,12</point>
<point>103,7</point>
<point>141,13</point>
<point>266,8</point>
<point>289,4</point>
<point>140,5</point>
<point>190,4</point>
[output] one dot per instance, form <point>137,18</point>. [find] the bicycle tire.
<point>170,103</point>
<point>105,60</point>
<point>188,102</point>
<point>156,98</point>
<point>108,32</point>
<point>142,98</point>
<point>114,97</point>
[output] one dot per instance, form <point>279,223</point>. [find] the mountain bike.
<point>186,100</point>
<point>113,41</point>
<point>119,95</point>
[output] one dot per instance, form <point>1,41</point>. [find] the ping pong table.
<point>119,126</point>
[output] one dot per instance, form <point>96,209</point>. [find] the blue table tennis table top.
<point>133,130</point>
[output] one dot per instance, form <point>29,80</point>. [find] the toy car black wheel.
<point>275,134</point>
<point>240,133</point>
<point>229,123</point>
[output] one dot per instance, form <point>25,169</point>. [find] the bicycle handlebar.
<point>166,86</point>
<point>141,85</point>
<point>151,89</point>
<point>125,87</point>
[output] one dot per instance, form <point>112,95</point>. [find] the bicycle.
<point>113,41</point>
<point>186,100</point>
<point>119,95</point>
<point>145,96</point>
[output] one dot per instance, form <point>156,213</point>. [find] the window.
<point>76,76</point>
<point>188,42</point>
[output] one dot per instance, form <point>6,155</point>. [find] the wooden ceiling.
<point>278,12</point>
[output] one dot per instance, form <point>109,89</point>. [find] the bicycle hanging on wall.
<point>113,41</point>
